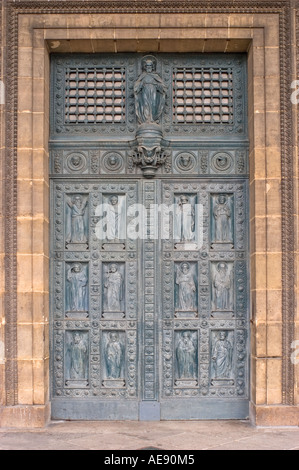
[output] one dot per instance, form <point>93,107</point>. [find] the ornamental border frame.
<point>13,10</point>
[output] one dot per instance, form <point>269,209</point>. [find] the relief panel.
<point>76,222</point>
<point>77,359</point>
<point>113,163</point>
<point>186,290</point>
<point>114,290</point>
<point>115,218</point>
<point>75,163</point>
<point>222,354</point>
<point>186,359</point>
<point>222,280</point>
<point>77,290</point>
<point>114,358</point>
<point>184,221</point>
<point>222,221</point>
<point>186,162</point>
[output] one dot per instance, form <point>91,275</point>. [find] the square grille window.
<point>95,95</point>
<point>203,95</point>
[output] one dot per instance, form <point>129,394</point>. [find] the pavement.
<point>171,435</point>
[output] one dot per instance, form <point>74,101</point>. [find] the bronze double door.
<point>149,237</point>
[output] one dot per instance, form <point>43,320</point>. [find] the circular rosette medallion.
<point>76,162</point>
<point>185,162</point>
<point>222,162</point>
<point>113,161</point>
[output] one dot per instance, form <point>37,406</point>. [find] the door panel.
<point>95,304</point>
<point>149,274</point>
<point>204,329</point>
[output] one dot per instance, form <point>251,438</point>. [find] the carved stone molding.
<point>152,6</point>
<point>13,10</point>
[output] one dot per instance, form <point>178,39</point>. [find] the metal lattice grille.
<point>203,95</point>
<point>95,95</point>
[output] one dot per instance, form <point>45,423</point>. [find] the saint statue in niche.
<point>77,233</point>
<point>113,289</point>
<point>222,356</point>
<point>222,285</point>
<point>114,353</point>
<point>187,288</point>
<point>77,283</point>
<point>78,352</point>
<point>186,353</point>
<point>184,229</point>
<point>150,93</point>
<point>222,215</point>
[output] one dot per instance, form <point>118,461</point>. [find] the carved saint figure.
<point>113,218</point>
<point>187,288</point>
<point>222,356</point>
<point>186,353</point>
<point>184,229</point>
<point>114,289</point>
<point>77,206</point>
<point>222,285</point>
<point>222,215</point>
<point>114,356</point>
<point>150,93</point>
<point>78,357</point>
<point>77,282</point>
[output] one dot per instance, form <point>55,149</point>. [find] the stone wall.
<point>267,31</point>
<point>2,157</point>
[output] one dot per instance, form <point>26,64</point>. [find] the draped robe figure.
<point>186,357</point>
<point>150,93</point>
<point>77,224</point>
<point>222,215</point>
<point>77,282</point>
<point>222,284</point>
<point>78,354</point>
<point>184,217</point>
<point>222,357</point>
<point>114,356</point>
<point>187,288</point>
<point>114,289</point>
<point>113,219</point>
